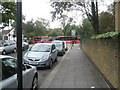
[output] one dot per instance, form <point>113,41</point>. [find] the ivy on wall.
<point>106,35</point>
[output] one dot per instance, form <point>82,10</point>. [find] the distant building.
<point>8,34</point>
<point>117,16</point>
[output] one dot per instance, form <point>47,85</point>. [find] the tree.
<point>35,28</point>
<point>85,30</point>
<point>55,32</point>
<point>110,8</point>
<point>65,22</point>
<point>13,24</point>
<point>40,27</point>
<point>90,9</point>
<point>8,13</point>
<point>106,22</point>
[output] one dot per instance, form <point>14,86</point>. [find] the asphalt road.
<point>43,72</point>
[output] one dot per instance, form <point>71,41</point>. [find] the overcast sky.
<point>41,9</point>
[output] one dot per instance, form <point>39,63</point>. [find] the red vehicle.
<point>69,39</point>
<point>42,39</point>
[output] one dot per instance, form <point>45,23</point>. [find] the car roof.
<point>44,43</point>
<point>5,56</point>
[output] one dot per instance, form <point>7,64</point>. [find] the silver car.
<point>60,46</point>
<point>41,55</point>
<point>8,76</point>
<point>66,46</point>
<point>7,46</point>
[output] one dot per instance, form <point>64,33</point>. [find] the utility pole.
<point>19,45</point>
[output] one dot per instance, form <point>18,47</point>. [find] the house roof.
<point>5,31</point>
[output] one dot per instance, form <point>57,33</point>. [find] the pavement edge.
<point>52,74</point>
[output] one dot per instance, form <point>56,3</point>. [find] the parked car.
<point>60,46</point>
<point>41,55</point>
<point>25,45</point>
<point>7,46</point>
<point>8,74</point>
<point>65,44</point>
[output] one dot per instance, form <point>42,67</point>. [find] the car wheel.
<point>35,84</point>
<point>50,65</point>
<point>66,49</point>
<point>62,53</point>
<point>56,59</point>
<point>14,50</point>
<point>4,52</point>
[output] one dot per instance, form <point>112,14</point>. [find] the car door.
<point>9,76</point>
<point>7,47</point>
<point>10,46</point>
<point>28,74</point>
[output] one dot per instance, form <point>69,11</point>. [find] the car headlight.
<point>45,58</point>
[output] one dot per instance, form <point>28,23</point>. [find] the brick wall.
<point>117,16</point>
<point>104,54</point>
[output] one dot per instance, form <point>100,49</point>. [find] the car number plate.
<point>33,63</point>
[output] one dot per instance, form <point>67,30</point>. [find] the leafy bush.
<point>106,35</point>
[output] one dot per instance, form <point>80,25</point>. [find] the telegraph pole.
<point>19,45</point>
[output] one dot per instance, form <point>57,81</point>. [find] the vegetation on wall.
<point>106,35</point>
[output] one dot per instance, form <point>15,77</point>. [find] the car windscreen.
<point>40,48</point>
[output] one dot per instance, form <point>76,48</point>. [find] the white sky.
<point>41,9</point>
<point>38,9</point>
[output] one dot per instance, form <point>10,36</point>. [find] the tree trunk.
<point>95,19</point>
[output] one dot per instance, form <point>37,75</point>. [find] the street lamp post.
<point>19,44</point>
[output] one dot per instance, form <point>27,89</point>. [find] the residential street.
<point>43,72</point>
<point>74,71</point>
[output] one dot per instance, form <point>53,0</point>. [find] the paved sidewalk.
<point>74,71</point>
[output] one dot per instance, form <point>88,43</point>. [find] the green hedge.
<point>106,35</point>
